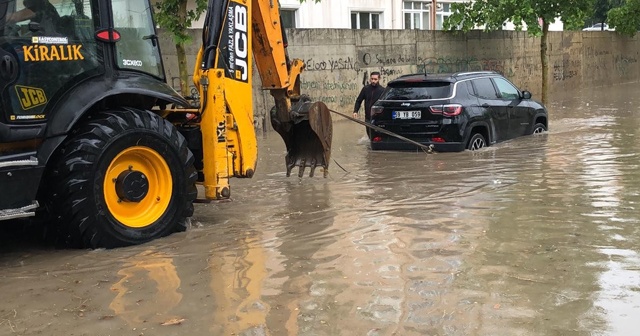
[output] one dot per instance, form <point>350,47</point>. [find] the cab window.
<point>46,46</point>
<point>138,45</point>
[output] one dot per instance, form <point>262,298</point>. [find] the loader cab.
<point>45,46</point>
<point>65,42</point>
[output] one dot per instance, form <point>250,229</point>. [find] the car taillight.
<point>437,139</point>
<point>449,110</point>
<point>377,139</point>
<point>375,110</point>
<point>452,110</point>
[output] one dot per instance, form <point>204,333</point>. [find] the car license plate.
<point>406,114</point>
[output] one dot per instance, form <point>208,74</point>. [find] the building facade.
<point>362,14</point>
<point>368,14</point>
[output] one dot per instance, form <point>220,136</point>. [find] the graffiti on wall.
<point>623,65</point>
<point>390,66</point>
<point>446,64</point>
<point>566,69</point>
<point>453,64</point>
<point>383,60</point>
<point>591,51</point>
<point>332,64</point>
<point>340,93</point>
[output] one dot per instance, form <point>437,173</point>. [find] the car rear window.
<point>417,91</point>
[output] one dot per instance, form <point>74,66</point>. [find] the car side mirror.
<point>526,95</point>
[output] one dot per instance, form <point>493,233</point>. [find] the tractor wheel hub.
<point>132,186</point>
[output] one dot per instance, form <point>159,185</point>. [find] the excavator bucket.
<point>307,135</point>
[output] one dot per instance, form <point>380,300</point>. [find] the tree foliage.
<point>173,16</point>
<point>492,14</point>
<point>600,10</point>
<point>626,18</point>
<point>535,15</point>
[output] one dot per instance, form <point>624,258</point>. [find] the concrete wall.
<point>339,60</point>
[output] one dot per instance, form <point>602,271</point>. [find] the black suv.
<point>454,111</point>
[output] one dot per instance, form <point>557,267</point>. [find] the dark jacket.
<point>46,14</point>
<point>370,95</point>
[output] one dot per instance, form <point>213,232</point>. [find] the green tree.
<point>600,13</point>
<point>492,14</point>
<point>626,18</point>
<point>173,16</point>
<point>600,10</point>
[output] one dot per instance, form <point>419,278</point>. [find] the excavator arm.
<point>234,32</point>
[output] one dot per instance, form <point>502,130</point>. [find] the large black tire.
<point>125,177</point>
<point>476,142</point>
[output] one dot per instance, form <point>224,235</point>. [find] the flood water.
<point>536,236</point>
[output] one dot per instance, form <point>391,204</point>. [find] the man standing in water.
<point>370,94</point>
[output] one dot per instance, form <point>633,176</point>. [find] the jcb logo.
<point>238,21</point>
<point>30,97</point>
<point>241,43</point>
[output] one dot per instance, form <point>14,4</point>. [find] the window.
<point>442,12</point>
<point>60,50</point>
<point>417,14</point>
<point>137,48</point>
<point>288,17</point>
<point>484,88</point>
<point>417,91</point>
<point>365,20</point>
<point>506,90</point>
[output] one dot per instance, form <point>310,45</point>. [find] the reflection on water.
<point>237,281</point>
<point>619,297</point>
<point>147,289</point>
<point>536,236</point>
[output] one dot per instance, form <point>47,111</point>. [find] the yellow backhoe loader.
<point>93,140</point>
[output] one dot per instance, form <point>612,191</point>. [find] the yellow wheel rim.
<point>160,186</point>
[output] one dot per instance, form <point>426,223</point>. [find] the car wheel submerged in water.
<point>539,128</point>
<point>476,142</point>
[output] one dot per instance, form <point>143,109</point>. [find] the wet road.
<point>537,236</point>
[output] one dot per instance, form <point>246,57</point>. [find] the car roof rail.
<point>483,72</point>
